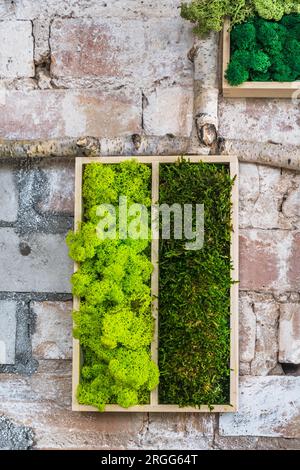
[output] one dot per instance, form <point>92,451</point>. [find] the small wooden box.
<point>154,405</point>
<point>253,89</point>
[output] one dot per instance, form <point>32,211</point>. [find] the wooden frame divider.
<point>155,161</point>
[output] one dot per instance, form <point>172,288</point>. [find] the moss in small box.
<point>264,50</point>
<point>114,323</point>
<point>194,301</point>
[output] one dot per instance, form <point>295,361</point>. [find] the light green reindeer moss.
<point>114,324</point>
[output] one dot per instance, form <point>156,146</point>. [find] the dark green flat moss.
<point>194,294</point>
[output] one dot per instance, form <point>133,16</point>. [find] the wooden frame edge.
<point>234,359</point>
<point>251,89</point>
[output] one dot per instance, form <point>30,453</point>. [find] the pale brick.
<point>270,260</point>
<point>52,338</point>
<point>8,195</point>
<point>89,48</point>
<point>178,431</point>
<point>259,260</point>
<point>260,120</point>
<point>46,268</point>
<point>235,443</point>
<point>266,344</point>
<point>268,197</point>
<point>16,59</point>
<point>8,324</point>
<point>277,443</point>
<point>59,196</point>
<point>269,406</point>
<point>45,114</point>
<point>244,368</point>
<point>41,31</point>
<point>291,204</point>
<point>248,192</point>
<point>293,273</point>
<point>289,334</point>
<point>116,50</point>
<point>167,44</point>
<point>169,111</point>
<point>247,329</point>
<point>28,9</point>
<point>43,402</point>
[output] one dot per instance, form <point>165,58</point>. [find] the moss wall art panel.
<point>131,356</point>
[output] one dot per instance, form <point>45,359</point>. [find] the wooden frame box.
<point>253,89</point>
<point>154,406</point>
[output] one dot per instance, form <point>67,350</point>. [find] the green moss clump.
<point>263,50</point>
<point>208,15</point>
<point>236,73</point>
<point>194,302</point>
<point>114,323</point>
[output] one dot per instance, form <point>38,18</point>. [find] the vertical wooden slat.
<point>76,300</point>
<point>234,294</point>
<point>154,260</point>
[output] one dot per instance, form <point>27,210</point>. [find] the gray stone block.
<point>35,263</point>
<point>269,407</point>
<point>8,196</point>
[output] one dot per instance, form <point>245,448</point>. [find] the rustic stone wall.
<point>130,73</point>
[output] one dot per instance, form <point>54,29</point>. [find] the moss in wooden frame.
<point>114,323</point>
<point>265,51</point>
<point>194,290</point>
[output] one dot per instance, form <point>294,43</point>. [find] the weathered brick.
<point>269,406</point>
<point>7,331</point>
<point>270,260</point>
<point>293,273</point>
<point>120,50</point>
<point>59,195</point>
<point>235,443</point>
<point>263,191</point>
<point>178,431</point>
<point>277,443</point>
<point>167,44</point>
<point>16,59</point>
<point>8,195</point>
<point>247,329</point>
<point>42,402</point>
<point>289,333</point>
<point>259,260</point>
<point>169,110</point>
<point>95,48</point>
<point>44,114</point>
<point>248,192</point>
<point>260,120</point>
<point>52,338</point>
<point>291,203</point>
<point>244,368</point>
<point>41,31</point>
<point>28,9</point>
<point>43,267</point>
<point>266,343</point>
